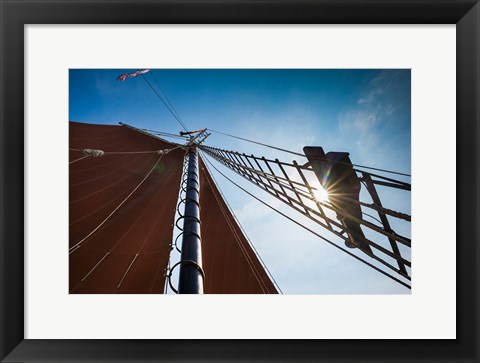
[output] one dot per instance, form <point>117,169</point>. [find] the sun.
<point>320,194</point>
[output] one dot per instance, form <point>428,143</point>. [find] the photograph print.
<point>239,181</point>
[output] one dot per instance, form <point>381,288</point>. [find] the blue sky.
<point>363,112</point>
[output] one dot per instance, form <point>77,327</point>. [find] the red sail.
<point>122,207</point>
<point>229,262</point>
<point>130,251</point>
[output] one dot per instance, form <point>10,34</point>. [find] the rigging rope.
<point>369,215</point>
<point>165,94</point>
<point>96,152</point>
<point>161,99</point>
<point>83,157</point>
<point>390,212</point>
<point>302,155</point>
<point>313,232</point>
<point>77,245</point>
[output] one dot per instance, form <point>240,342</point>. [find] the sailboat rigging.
<point>130,188</point>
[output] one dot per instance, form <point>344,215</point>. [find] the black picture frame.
<point>15,14</point>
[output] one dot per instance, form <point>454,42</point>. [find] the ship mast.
<point>191,272</point>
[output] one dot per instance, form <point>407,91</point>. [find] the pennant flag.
<point>134,74</point>
<point>123,77</point>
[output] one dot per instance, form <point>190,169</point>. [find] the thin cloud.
<point>378,86</point>
<point>251,211</point>
<point>366,99</point>
<point>359,120</point>
<point>389,110</point>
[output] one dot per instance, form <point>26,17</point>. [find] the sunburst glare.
<point>320,194</point>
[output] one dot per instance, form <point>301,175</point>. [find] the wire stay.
<point>302,155</point>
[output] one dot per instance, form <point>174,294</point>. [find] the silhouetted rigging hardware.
<point>344,201</point>
<point>311,231</point>
<point>336,175</point>
<point>184,133</point>
<point>166,134</point>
